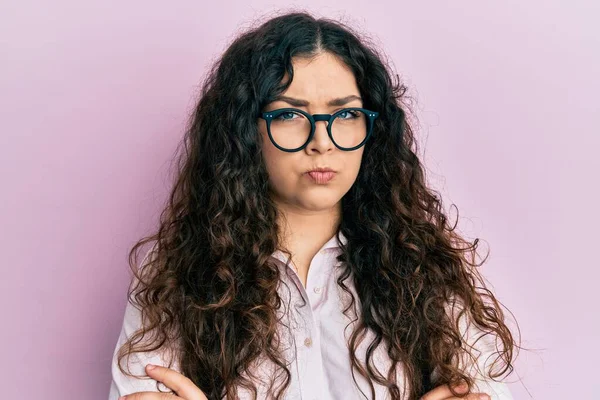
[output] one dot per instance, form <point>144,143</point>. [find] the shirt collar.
<point>332,243</point>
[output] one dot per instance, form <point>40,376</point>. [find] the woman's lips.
<point>321,177</point>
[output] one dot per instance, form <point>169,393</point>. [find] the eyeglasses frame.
<point>313,118</point>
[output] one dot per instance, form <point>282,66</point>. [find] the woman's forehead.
<point>330,102</point>
<point>321,75</point>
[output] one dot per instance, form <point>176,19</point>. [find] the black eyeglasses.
<point>292,129</point>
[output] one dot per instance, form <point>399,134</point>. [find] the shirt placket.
<point>308,340</point>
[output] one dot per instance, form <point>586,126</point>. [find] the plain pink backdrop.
<point>94,97</point>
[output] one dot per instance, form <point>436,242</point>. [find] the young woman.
<point>301,255</point>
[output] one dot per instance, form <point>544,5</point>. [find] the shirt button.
<point>308,342</point>
<point>317,289</point>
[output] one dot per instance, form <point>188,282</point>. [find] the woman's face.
<point>316,82</point>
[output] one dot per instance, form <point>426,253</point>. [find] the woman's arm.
<point>482,346</point>
<point>135,363</point>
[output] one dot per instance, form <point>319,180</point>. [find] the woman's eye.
<point>282,115</point>
<point>343,114</point>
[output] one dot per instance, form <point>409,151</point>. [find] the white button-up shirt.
<point>317,349</point>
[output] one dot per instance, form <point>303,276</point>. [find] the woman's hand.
<point>443,393</point>
<point>183,386</point>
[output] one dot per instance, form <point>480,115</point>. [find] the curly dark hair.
<point>210,290</point>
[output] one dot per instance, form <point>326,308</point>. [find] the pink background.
<point>94,96</point>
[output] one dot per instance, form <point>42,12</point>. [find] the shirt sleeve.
<point>482,346</point>
<point>135,363</point>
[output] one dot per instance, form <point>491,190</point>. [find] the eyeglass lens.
<point>291,129</point>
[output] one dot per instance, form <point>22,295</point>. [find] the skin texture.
<point>312,211</point>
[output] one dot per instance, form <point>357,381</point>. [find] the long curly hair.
<point>209,289</point>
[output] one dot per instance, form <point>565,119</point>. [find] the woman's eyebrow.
<point>333,102</point>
